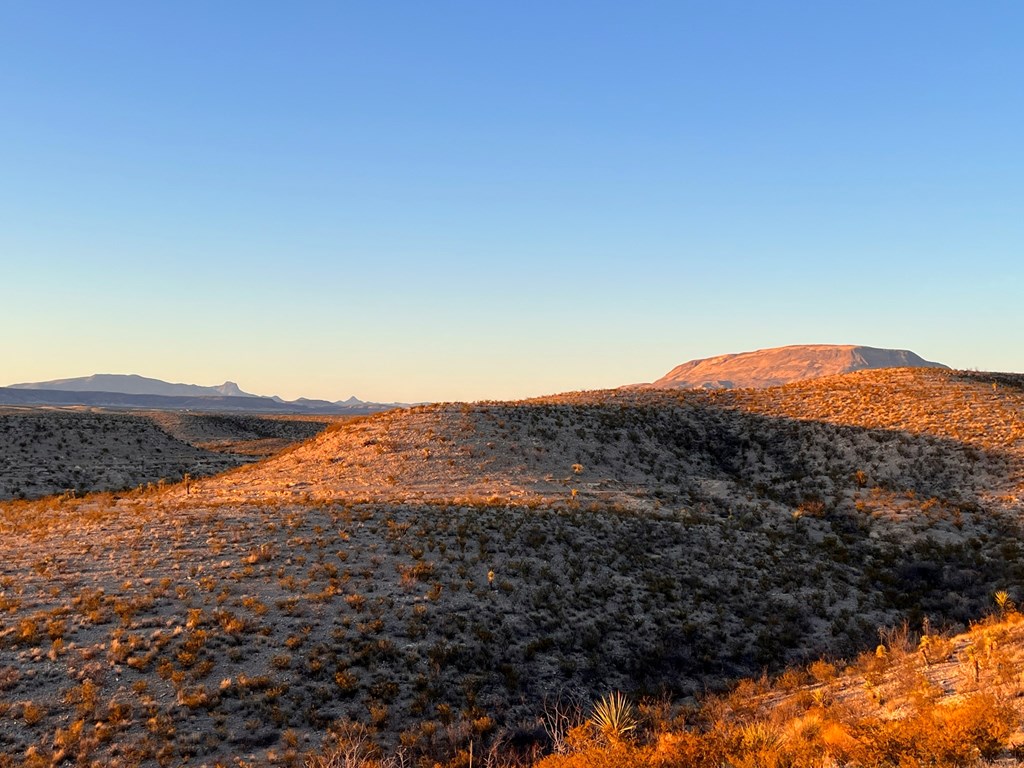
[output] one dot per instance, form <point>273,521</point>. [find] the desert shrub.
<point>600,756</point>
<point>822,671</point>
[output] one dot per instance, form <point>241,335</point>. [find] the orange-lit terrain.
<point>785,365</point>
<point>460,577</point>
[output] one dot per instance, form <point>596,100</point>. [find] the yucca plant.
<point>1004,603</point>
<point>614,716</point>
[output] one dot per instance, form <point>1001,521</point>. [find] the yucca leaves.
<point>614,716</point>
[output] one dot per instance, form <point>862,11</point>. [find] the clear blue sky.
<point>461,200</point>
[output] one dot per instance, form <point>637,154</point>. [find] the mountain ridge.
<point>134,384</point>
<point>132,391</point>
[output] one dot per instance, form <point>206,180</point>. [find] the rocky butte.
<point>783,365</point>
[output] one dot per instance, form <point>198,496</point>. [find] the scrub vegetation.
<point>629,577</point>
<point>72,451</point>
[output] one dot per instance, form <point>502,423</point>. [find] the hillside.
<point>438,574</point>
<point>241,434</point>
<point>45,451</point>
<point>784,365</point>
<point>918,699</point>
<point>638,447</point>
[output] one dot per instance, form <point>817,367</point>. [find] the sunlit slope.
<point>927,432</point>
<point>982,413</point>
<point>919,699</point>
<point>784,365</point>
<point>983,409</point>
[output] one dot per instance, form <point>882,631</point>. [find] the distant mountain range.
<point>131,391</point>
<point>761,368</point>
<point>783,365</point>
<point>131,384</point>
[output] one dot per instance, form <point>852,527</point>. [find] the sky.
<point>412,201</point>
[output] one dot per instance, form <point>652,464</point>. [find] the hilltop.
<point>784,365</point>
<point>632,447</point>
<point>438,574</point>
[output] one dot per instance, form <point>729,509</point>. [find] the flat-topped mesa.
<point>783,365</point>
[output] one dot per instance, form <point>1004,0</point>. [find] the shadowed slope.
<point>44,452</point>
<point>240,433</point>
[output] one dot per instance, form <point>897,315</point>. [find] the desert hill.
<point>438,574</point>
<point>632,447</point>
<point>783,365</point>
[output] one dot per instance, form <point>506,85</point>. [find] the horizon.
<point>339,399</point>
<point>459,202</point>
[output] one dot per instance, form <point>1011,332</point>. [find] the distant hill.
<point>107,390</point>
<point>132,384</point>
<point>784,365</point>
